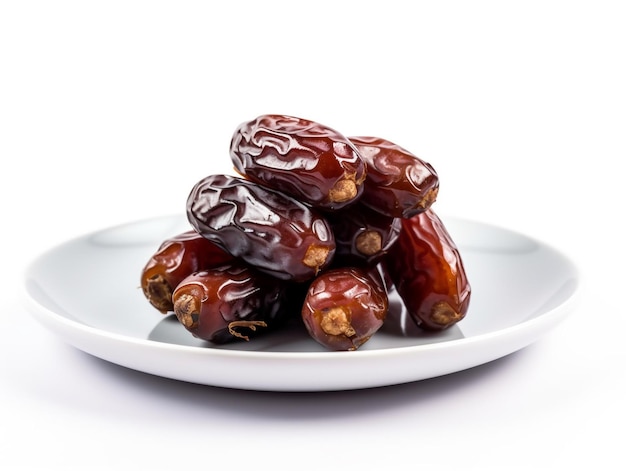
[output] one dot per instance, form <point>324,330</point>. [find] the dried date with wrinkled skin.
<point>398,183</point>
<point>344,307</point>
<point>176,258</point>
<point>362,235</point>
<point>229,302</point>
<point>427,271</point>
<point>307,160</point>
<point>267,229</point>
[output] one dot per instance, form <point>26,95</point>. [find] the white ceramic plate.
<point>87,291</point>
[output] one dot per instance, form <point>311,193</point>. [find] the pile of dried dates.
<point>315,225</point>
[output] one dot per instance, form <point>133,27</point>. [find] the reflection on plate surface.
<point>87,291</point>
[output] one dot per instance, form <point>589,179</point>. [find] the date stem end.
<point>187,310</point>
<point>444,315</point>
<point>344,190</point>
<point>159,293</point>
<point>336,321</point>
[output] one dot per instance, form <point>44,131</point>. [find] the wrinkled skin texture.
<point>427,271</point>
<point>228,303</point>
<point>267,229</point>
<point>344,307</point>
<point>398,183</point>
<point>307,160</point>
<point>362,235</point>
<point>176,258</point>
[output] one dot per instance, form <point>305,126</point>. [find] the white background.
<point>110,111</point>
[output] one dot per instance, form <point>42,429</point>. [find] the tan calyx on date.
<point>187,310</point>
<point>159,293</point>
<point>336,321</point>
<point>429,198</point>
<point>344,190</point>
<point>316,256</point>
<point>369,243</point>
<point>443,314</point>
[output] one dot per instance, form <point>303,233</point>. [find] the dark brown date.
<point>428,273</point>
<point>398,183</point>
<point>176,258</point>
<point>267,229</point>
<point>230,302</point>
<point>307,160</point>
<point>362,235</point>
<point>344,307</point>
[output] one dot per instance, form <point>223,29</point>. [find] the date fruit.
<point>229,302</point>
<point>314,223</point>
<point>427,271</point>
<point>307,160</point>
<point>398,183</point>
<point>344,307</point>
<point>267,229</point>
<point>176,258</point>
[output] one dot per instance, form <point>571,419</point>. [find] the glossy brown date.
<point>176,258</point>
<point>398,183</point>
<point>362,235</point>
<point>428,273</point>
<point>267,229</point>
<point>344,307</point>
<point>302,158</point>
<point>230,302</point>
